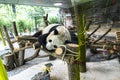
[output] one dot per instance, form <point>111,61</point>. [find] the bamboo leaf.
<point>3,74</point>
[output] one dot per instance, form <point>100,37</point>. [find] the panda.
<point>52,36</point>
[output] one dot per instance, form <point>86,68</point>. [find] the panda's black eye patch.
<point>55,46</point>
<point>50,40</point>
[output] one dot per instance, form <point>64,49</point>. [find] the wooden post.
<point>15,29</point>
<point>21,54</point>
<point>45,19</point>
<point>10,45</point>
<point>9,61</point>
<point>72,63</point>
<point>8,39</point>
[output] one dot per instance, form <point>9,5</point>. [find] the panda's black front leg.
<point>42,40</point>
<point>37,34</point>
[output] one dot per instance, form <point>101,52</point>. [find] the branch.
<point>20,49</point>
<point>29,38</point>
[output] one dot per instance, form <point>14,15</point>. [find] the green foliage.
<point>29,25</point>
<point>53,20</point>
<point>8,24</point>
<point>21,26</point>
<point>39,10</point>
<point>1,22</point>
<point>2,38</point>
<point>3,74</point>
<point>24,25</point>
<point>24,16</point>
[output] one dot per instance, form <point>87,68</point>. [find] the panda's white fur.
<point>56,40</point>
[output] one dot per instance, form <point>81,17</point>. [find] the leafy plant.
<point>1,22</point>
<point>3,74</point>
<point>29,25</point>
<point>21,26</point>
<point>2,38</point>
<point>53,20</point>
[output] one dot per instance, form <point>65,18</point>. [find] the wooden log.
<point>72,47</point>
<point>55,55</point>
<point>23,48</point>
<point>60,50</point>
<point>16,36</point>
<point>9,62</point>
<point>69,48</point>
<point>102,36</point>
<point>21,54</point>
<point>88,25</point>
<point>118,36</point>
<point>15,29</point>
<point>13,41</point>
<point>43,56</point>
<point>27,38</point>
<point>94,31</point>
<point>36,45</point>
<point>45,19</point>
<point>8,39</point>
<point>10,44</point>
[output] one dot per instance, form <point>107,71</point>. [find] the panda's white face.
<point>53,42</point>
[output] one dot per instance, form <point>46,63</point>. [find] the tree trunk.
<point>8,39</point>
<point>21,54</point>
<point>10,45</point>
<point>9,61</point>
<point>15,29</point>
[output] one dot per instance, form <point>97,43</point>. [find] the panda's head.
<point>57,37</point>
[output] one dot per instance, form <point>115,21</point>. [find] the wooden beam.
<point>10,45</point>
<point>15,29</point>
<point>8,39</point>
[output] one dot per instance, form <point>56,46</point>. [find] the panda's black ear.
<point>56,32</point>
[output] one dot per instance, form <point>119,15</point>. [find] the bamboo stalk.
<point>3,73</point>
<point>80,22</point>
<point>1,36</point>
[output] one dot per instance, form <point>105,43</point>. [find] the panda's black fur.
<point>42,37</point>
<point>74,38</point>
